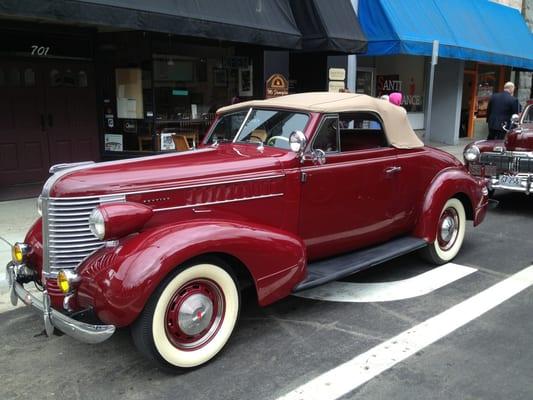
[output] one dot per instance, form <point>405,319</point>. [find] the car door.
<point>348,202</point>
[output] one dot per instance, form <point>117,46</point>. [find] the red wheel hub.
<point>194,314</point>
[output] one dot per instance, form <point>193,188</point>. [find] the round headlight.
<point>471,153</point>
<point>97,224</point>
<point>40,205</point>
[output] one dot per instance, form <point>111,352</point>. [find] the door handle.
<point>393,170</point>
<point>50,120</point>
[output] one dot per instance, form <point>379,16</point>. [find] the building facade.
<point>475,58</point>
<point>107,79</point>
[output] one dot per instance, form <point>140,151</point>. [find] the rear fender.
<point>117,282</point>
<point>451,182</point>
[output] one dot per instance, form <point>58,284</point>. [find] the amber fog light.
<point>19,252</point>
<point>67,281</point>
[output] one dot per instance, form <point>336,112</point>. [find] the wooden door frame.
<point>472,102</point>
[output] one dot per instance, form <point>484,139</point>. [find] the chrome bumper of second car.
<point>525,184</point>
<point>87,333</point>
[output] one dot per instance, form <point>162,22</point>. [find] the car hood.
<point>520,140</point>
<point>207,165</point>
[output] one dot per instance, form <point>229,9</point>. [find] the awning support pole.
<point>434,60</point>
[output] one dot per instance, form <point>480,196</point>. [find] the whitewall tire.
<point>451,227</point>
<point>190,317</point>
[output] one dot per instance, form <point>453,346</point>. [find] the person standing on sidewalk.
<point>501,107</point>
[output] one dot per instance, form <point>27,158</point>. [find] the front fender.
<point>117,282</point>
<point>451,182</point>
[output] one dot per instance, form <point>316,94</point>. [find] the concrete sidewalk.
<point>16,217</point>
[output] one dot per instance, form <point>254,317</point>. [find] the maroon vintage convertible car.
<point>283,195</point>
<point>506,164</point>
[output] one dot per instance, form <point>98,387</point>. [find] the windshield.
<point>226,127</point>
<point>271,127</point>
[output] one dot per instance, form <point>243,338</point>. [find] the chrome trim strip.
<point>219,202</point>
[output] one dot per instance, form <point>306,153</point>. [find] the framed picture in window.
<point>246,81</point>
<point>220,77</point>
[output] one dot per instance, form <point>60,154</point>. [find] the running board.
<point>339,267</point>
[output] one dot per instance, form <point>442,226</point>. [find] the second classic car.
<point>506,164</point>
<point>285,194</point>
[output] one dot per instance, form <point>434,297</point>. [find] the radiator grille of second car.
<point>506,163</point>
<point>68,238</point>
<point>500,161</point>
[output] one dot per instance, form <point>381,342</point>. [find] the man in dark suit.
<point>501,107</point>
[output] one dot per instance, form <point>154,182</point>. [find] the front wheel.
<point>450,234</point>
<point>189,318</point>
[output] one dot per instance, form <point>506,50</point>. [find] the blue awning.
<point>476,30</point>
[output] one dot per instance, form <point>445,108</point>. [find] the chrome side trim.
<point>211,203</point>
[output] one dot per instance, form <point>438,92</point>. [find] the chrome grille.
<point>66,233</point>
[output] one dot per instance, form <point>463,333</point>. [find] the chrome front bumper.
<point>81,331</point>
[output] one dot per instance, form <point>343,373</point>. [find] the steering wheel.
<point>272,140</point>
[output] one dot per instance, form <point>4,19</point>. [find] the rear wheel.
<point>450,234</point>
<point>189,318</point>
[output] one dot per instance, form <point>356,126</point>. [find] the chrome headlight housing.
<point>97,224</point>
<point>471,153</point>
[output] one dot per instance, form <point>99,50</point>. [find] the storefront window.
<point>187,93</point>
<point>404,74</point>
<point>164,96</point>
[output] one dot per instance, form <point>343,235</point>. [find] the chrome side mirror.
<point>317,156</point>
<point>515,119</point>
<point>297,142</point>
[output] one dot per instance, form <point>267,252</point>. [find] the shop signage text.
<point>337,74</point>
<point>277,85</point>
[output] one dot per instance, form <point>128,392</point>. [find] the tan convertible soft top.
<point>397,127</point>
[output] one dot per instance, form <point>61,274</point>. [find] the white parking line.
<point>353,292</point>
<point>352,374</point>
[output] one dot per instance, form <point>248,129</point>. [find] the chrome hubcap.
<point>449,229</point>
<point>195,314</point>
